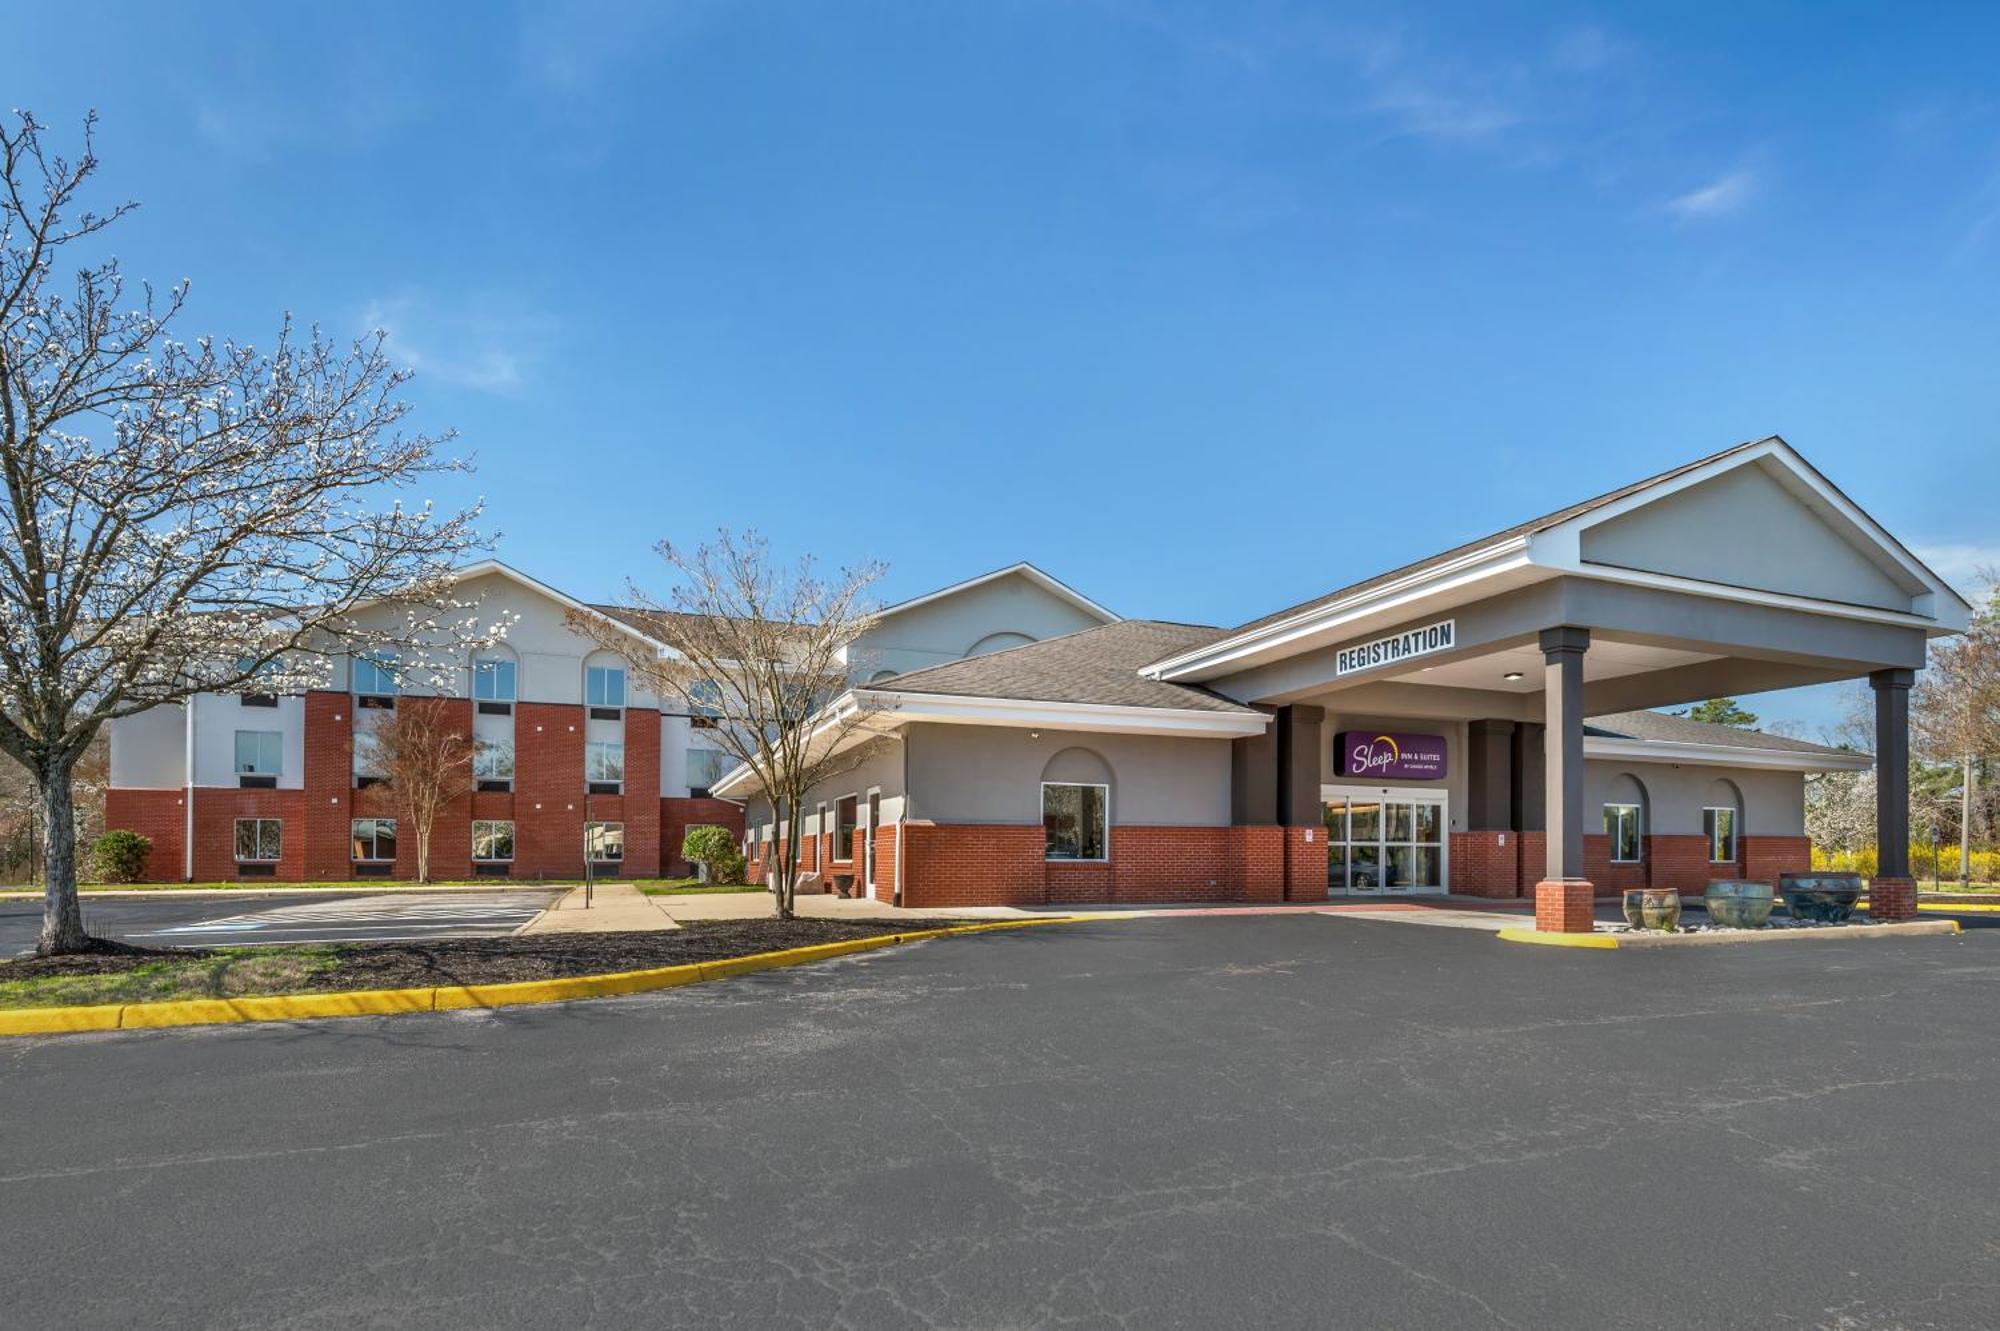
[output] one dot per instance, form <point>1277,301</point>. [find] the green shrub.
<point>120,856</point>
<point>709,845</point>
<point>729,869</point>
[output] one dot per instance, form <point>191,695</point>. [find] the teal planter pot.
<point>1653,908</point>
<point>1736,904</point>
<point>1823,898</point>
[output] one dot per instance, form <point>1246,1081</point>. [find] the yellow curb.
<point>445,998</point>
<point>1947,906</point>
<point>1558,940</point>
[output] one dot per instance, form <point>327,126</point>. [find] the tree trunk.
<point>62,913</point>
<point>423,853</point>
<point>1965,826</point>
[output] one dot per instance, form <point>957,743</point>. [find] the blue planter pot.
<point>1736,904</point>
<point>1824,898</point>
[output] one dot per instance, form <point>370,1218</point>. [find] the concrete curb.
<point>445,998</point>
<point>1629,942</point>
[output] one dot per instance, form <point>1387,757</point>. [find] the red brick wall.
<point>972,865</point>
<point>1173,864</point>
<point>641,813</point>
<point>215,815</point>
<point>678,813</point>
<point>329,786</point>
<point>1681,862</point>
<point>1482,867</point>
<point>1305,864</point>
<point>548,790</point>
<point>1257,857</point>
<point>1766,857</point>
<point>156,814</point>
<point>1612,879</point>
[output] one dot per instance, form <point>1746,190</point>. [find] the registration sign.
<point>1438,637</point>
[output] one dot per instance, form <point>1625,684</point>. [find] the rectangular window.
<point>1075,825</point>
<point>493,680</point>
<point>1720,825</point>
<point>604,842</point>
<point>705,768</point>
<point>604,764</point>
<point>374,839</point>
<point>1621,825</point>
<point>375,675</point>
<point>259,840</point>
<point>604,686</point>
<point>846,816</point>
<point>259,752</point>
<point>492,840</point>
<point>705,698</point>
<point>493,760</point>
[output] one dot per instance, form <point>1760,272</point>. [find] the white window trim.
<point>624,686</point>
<point>236,755</point>
<point>863,810</point>
<point>387,662</point>
<point>514,695</point>
<point>1735,831</point>
<point>1101,785</point>
<point>618,823</point>
<point>259,859</point>
<point>1638,830</point>
<point>371,858</point>
<point>512,835</point>
<point>601,744</point>
<point>837,857</point>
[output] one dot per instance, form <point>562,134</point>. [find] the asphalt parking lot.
<point>243,919</point>
<point>1275,1121</point>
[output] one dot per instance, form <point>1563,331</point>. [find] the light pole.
<point>589,853</point>
<point>1937,869</point>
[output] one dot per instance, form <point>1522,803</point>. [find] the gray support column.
<point>1892,771</point>
<point>1489,776</point>
<point>1298,744</point>
<point>1562,682</point>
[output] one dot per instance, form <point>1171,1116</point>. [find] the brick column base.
<point>1564,905</point>
<point>1892,899</point>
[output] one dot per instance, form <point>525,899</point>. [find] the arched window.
<point>998,642</point>
<point>1625,819</point>
<point>881,675</point>
<point>604,685</point>
<point>1722,821</point>
<point>1076,806</point>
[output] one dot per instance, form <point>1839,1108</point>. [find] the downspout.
<point>902,813</point>
<point>187,772</point>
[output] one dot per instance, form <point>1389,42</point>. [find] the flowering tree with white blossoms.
<point>184,516</point>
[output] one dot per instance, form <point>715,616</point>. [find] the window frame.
<point>624,685</point>
<point>1708,827</point>
<point>592,749</point>
<point>1104,807</point>
<point>619,858</point>
<point>483,747</point>
<point>278,739</point>
<point>512,843</point>
<point>257,837</point>
<point>723,762</point>
<point>845,842</point>
<point>380,662</point>
<point>374,838</point>
<point>488,668</point>
<point>1638,812</point>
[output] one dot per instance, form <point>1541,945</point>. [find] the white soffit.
<point>1605,660</point>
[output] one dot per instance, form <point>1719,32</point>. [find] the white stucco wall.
<point>948,629</point>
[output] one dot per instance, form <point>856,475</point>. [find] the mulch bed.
<point>447,961</point>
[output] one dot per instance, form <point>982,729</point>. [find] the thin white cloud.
<point>492,347</point>
<point>1963,564</point>
<point>1718,198</point>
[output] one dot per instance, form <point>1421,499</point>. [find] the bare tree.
<point>181,516</point>
<point>760,651</point>
<point>425,758</point>
<point>1955,711</point>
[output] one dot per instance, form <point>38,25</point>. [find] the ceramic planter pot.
<point>1825,898</point>
<point>1653,908</point>
<point>1736,904</point>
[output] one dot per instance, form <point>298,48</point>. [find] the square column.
<point>1564,898</point>
<point>1892,893</point>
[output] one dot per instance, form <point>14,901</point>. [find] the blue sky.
<point>1204,308</point>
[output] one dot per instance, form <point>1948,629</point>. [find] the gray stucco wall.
<point>1751,533</point>
<point>948,629</point>
<point>1772,803</point>
<point>994,774</point>
<point>880,766</point>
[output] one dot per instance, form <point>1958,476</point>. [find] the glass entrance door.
<point>1381,843</point>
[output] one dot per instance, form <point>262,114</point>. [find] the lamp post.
<point>589,853</point>
<point>1937,869</point>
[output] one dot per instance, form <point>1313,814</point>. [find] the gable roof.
<point>1047,582</point>
<point>1517,550</point>
<point>1664,737</point>
<point>1097,666</point>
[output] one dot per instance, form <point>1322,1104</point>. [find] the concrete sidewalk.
<point>614,908</point>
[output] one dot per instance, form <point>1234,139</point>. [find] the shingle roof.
<point>1096,665</point>
<point>1660,727</point>
<point>1527,528</point>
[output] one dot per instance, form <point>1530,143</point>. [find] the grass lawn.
<point>689,887</point>
<point>651,885</point>
<point>225,973</point>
